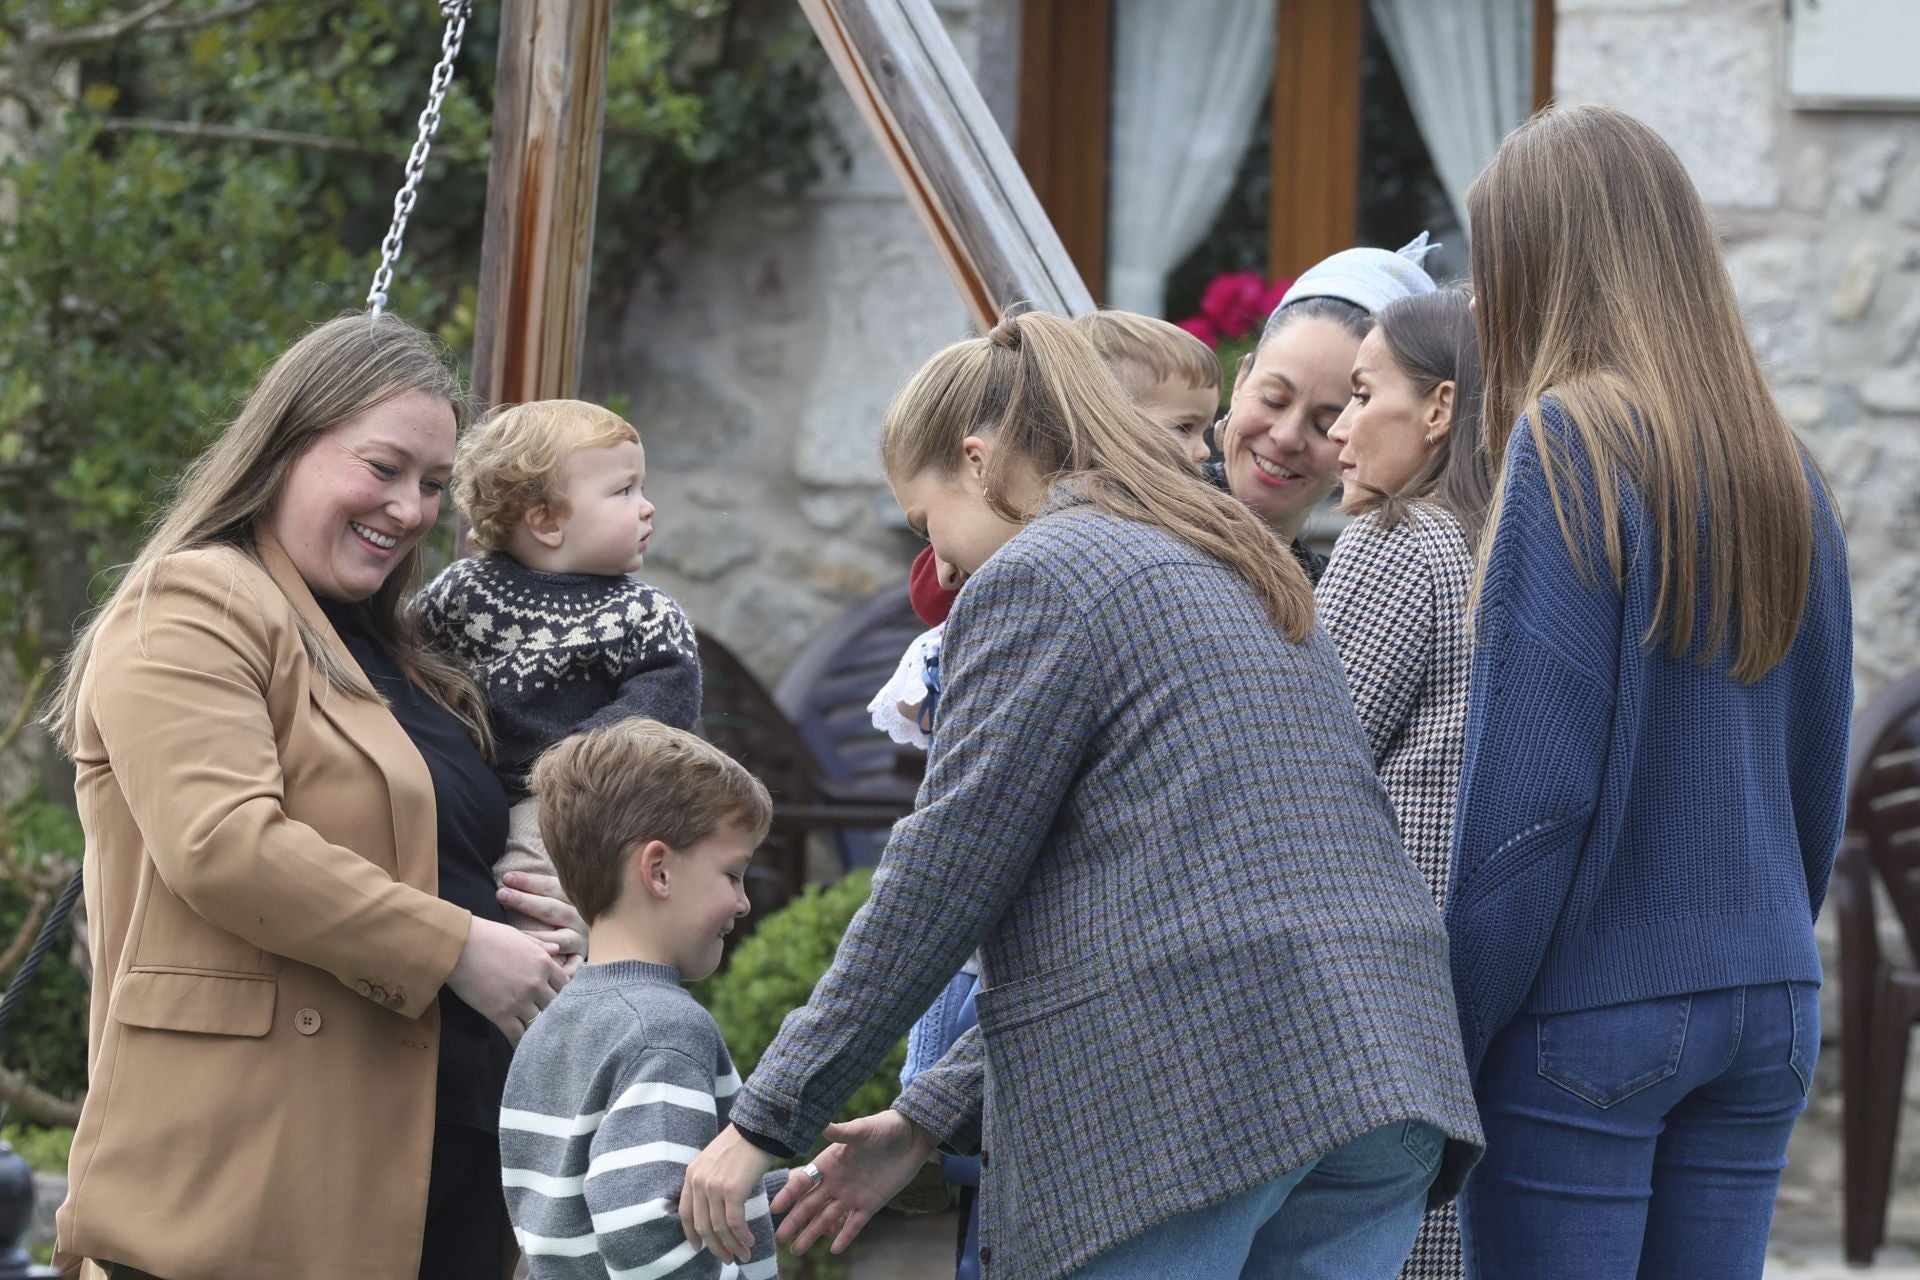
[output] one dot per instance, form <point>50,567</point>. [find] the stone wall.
<point>1821,215</point>
<point>758,360</point>
<point>1820,211</point>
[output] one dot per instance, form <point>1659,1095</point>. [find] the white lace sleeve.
<point>908,685</point>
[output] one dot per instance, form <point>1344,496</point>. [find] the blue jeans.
<point>1351,1215</point>
<point>1639,1140</point>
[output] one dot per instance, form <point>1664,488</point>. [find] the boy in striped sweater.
<point>623,1079</point>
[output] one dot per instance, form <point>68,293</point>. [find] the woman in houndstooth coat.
<point>1395,593</point>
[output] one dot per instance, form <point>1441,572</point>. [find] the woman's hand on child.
<point>538,906</point>
<point>713,1199</point>
<point>870,1160</point>
<point>505,975</point>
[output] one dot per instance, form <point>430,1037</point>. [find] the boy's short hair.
<point>1143,351</point>
<point>606,792</point>
<point>511,462</point>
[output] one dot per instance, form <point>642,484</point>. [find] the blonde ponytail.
<point>1041,391</point>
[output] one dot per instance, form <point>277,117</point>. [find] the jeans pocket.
<point>1424,1143</point>
<point>1804,997</point>
<point>1605,1056</point>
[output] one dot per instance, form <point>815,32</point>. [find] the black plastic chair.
<point>825,694</point>
<point>741,718</point>
<point>1880,994</point>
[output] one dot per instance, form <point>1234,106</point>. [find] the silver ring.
<point>812,1171</point>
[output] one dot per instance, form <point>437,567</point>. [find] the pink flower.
<point>1201,328</point>
<point>1271,298</point>
<point>1232,302</point>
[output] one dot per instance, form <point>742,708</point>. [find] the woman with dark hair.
<point>1394,598</point>
<point>1276,457</point>
<point>1656,747</point>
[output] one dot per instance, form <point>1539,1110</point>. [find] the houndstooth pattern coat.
<point>1201,958</point>
<point>1394,601</point>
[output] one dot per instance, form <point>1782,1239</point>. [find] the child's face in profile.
<point>1185,410</point>
<point>708,884</point>
<point>608,521</point>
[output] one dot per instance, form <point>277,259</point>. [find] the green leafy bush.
<point>773,972</point>
<point>46,1149</point>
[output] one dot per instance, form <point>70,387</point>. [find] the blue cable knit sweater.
<point>1630,825</point>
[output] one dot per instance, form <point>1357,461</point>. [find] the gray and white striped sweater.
<point>617,1086</point>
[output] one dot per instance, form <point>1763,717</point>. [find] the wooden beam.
<point>549,103</point>
<point>1542,53</point>
<point>1316,132</point>
<point>1066,55</point>
<point>914,93</point>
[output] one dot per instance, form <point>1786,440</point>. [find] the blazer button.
<point>364,987</point>
<point>380,994</point>
<point>307,1021</point>
<point>983,1162</point>
<point>396,998</point>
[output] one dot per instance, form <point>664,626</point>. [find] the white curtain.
<point>1467,67</point>
<point>1189,82</point>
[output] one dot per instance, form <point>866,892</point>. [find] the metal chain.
<point>456,12</point>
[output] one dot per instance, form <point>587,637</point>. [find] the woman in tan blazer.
<point>271,772</point>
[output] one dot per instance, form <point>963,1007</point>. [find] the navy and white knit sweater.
<point>618,1085</point>
<point>1631,825</point>
<point>562,653</point>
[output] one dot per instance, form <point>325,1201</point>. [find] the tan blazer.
<point>261,872</point>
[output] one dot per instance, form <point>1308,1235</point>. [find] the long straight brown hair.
<point>336,372</point>
<point>1037,387</point>
<point>1600,283</point>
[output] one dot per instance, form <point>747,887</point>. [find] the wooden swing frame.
<point>894,59</point>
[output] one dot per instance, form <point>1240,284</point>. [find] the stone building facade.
<point>758,359</point>
<point>1820,211</point>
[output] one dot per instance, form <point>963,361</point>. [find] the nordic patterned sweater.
<point>562,653</point>
<point>1631,825</point>
<point>617,1086</point>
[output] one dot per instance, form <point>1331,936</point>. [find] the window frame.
<point>1061,137</point>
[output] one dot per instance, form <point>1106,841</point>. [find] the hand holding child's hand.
<point>713,1199</point>
<point>871,1159</point>
<point>538,906</point>
<point>505,976</point>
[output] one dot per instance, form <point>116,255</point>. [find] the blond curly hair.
<point>515,461</point>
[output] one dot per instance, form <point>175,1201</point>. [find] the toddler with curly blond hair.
<point>560,635</point>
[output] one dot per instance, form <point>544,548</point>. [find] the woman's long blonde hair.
<point>338,371</point>
<point>1600,283</point>
<point>1038,388</point>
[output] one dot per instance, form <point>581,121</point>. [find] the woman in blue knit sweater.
<point>1652,788</point>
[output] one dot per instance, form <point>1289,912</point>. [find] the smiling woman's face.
<point>1279,460</point>
<point>363,495</point>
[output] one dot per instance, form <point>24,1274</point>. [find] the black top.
<point>471,822</point>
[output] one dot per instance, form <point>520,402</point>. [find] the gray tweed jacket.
<point>1207,959</point>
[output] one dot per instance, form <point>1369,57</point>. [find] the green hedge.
<point>773,972</point>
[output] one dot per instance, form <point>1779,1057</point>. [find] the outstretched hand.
<point>870,1160</point>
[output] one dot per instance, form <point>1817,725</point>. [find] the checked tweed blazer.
<point>1205,955</point>
<point>1395,603</point>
